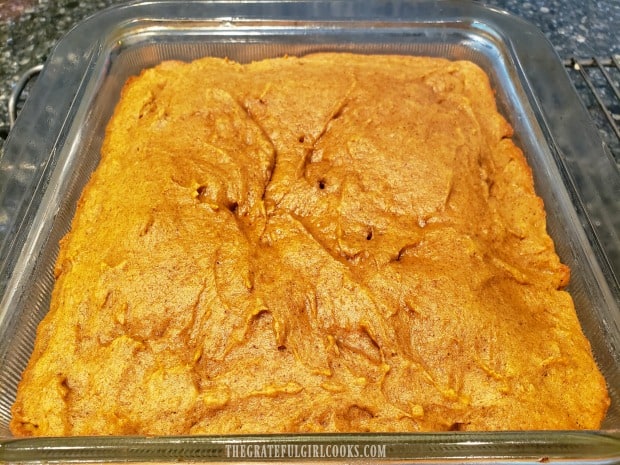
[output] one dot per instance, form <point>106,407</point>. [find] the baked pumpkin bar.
<point>331,243</point>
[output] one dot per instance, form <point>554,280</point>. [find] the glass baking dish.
<point>55,144</point>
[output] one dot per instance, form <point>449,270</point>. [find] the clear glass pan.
<point>55,144</point>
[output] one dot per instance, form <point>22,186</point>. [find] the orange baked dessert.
<point>329,243</point>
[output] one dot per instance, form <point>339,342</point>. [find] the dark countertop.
<point>30,28</point>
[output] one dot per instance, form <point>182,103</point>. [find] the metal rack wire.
<point>18,96</point>
<point>597,81</point>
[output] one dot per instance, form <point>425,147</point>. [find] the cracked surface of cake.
<point>329,243</point>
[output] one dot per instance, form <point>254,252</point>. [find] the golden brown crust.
<point>328,243</point>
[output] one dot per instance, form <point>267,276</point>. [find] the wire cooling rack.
<point>597,81</point>
<point>18,96</point>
